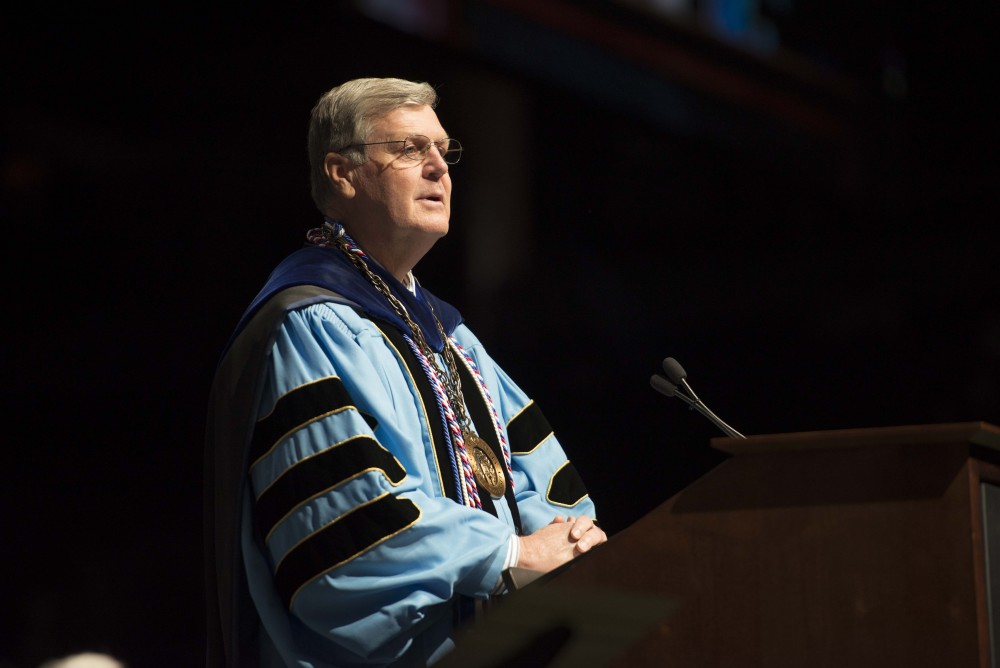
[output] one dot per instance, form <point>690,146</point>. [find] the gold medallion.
<point>485,465</point>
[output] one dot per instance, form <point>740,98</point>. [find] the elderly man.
<point>372,471</point>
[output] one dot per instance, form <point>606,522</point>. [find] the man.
<point>372,470</point>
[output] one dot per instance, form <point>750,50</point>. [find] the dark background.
<point>798,203</point>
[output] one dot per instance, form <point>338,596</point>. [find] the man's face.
<point>400,200</point>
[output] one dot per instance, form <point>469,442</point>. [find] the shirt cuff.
<point>509,561</point>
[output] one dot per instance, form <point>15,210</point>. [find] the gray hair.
<point>345,115</point>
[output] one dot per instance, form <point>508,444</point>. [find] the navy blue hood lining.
<point>330,269</point>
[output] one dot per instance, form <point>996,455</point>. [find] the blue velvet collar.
<point>329,268</point>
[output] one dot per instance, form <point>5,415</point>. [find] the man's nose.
<point>435,160</point>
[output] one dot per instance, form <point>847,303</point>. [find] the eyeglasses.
<point>416,147</point>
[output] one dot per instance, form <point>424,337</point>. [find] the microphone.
<point>677,386</point>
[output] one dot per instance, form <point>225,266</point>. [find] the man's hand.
<point>556,543</point>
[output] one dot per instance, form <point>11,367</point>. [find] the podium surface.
<point>844,548</point>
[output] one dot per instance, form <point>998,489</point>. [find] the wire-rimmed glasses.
<point>416,147</point>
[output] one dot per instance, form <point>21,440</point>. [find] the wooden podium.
<point>840,549</point>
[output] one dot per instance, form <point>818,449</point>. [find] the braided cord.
<point>497,424</point>
<point>467,482</point>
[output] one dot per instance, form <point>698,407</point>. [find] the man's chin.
<point>436,228</point>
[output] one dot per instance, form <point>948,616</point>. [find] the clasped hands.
<point>563,539</point>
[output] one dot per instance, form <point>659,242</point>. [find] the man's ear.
<point>339,172</point>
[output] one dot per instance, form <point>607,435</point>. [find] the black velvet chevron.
<point>527,430</point>
<point>321,472</point>
<point>566,487</point>
<point>341,541</point>
<point>299,407</point>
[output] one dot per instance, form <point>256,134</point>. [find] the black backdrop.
<point>154,170</point>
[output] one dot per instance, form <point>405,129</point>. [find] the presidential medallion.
<point>485,466</point>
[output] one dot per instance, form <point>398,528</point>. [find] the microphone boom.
<point>673,388</point>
